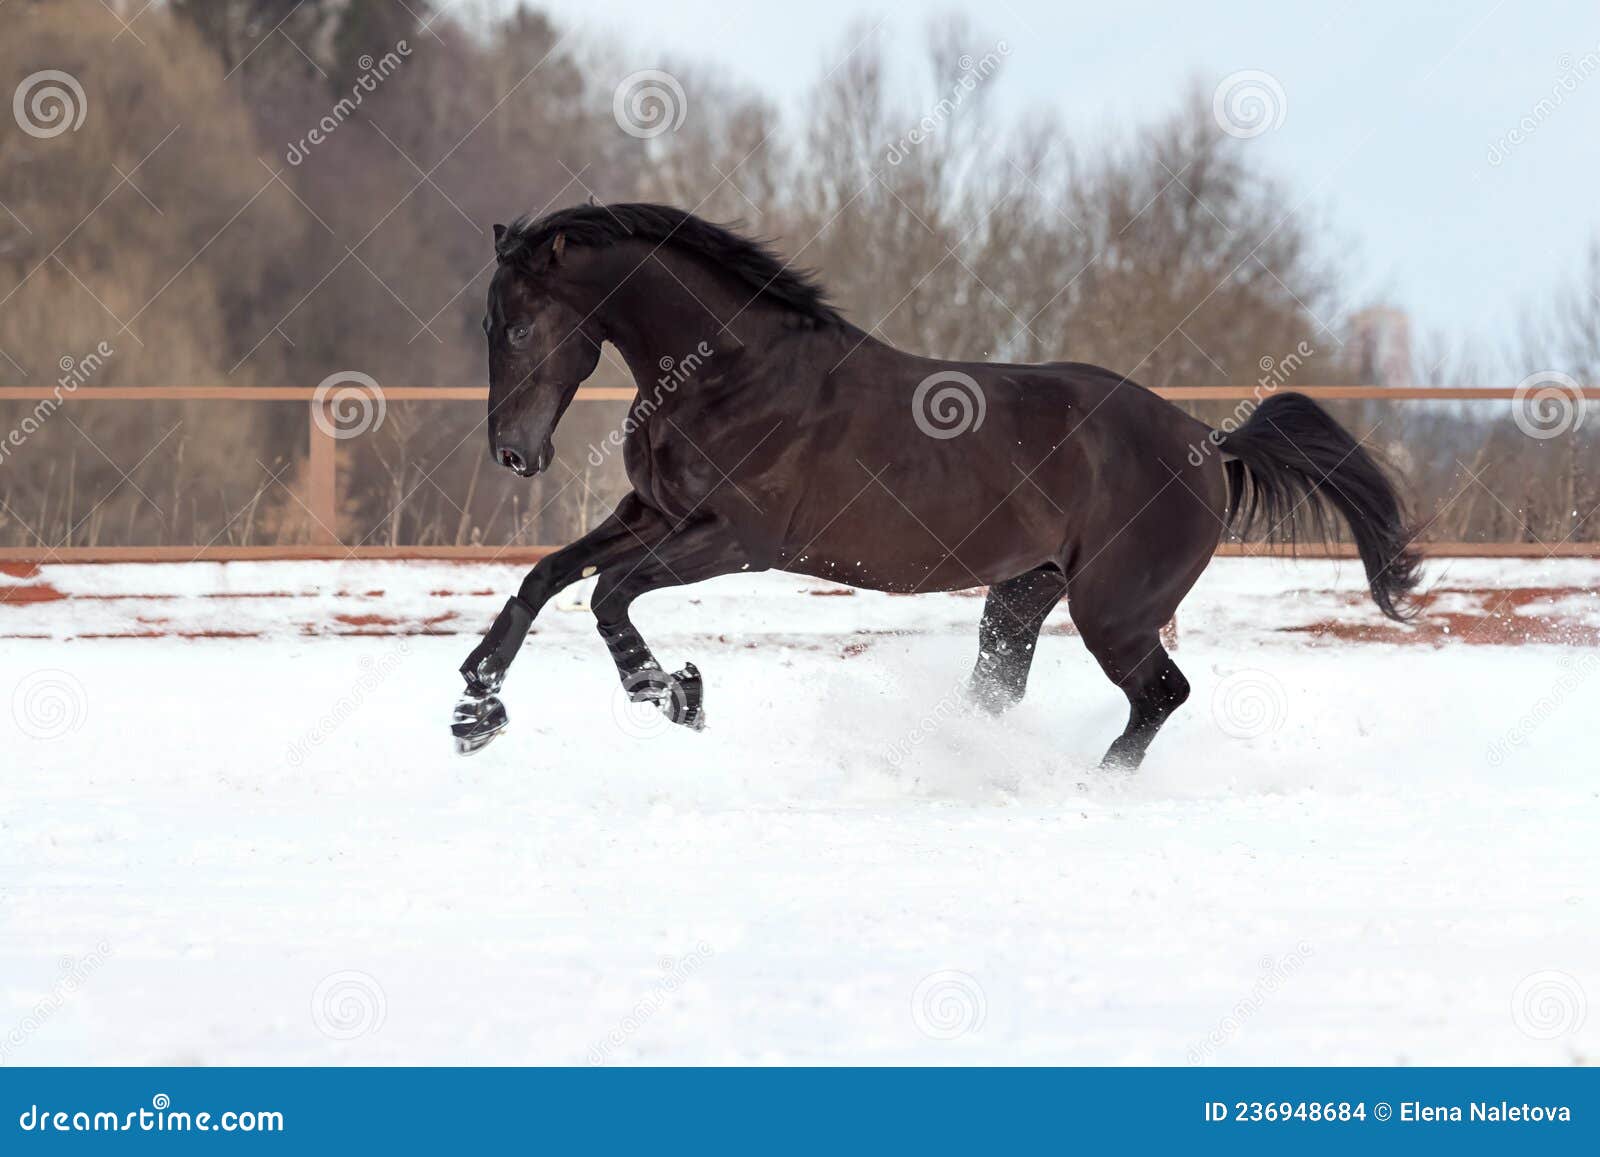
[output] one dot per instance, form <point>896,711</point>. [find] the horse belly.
<point>913,542</point>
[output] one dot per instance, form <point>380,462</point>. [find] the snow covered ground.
<point>262,850</point>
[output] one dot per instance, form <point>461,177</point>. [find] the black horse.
<point>786,438</point>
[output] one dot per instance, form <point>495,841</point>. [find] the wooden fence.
<point>323,480</point>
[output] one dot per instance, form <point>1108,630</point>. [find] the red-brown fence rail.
<point>323,476</point>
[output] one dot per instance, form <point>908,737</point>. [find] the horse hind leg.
<point>1121,622</point>
<point>1008,635</point>
<point>1154,685</point>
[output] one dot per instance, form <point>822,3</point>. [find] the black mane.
<point>752,262</point>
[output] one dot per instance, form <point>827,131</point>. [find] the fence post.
<point>322,475</point>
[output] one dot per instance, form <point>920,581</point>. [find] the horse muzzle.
<point>517,460</point>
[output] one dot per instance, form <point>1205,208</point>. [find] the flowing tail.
<point>1293,467</point>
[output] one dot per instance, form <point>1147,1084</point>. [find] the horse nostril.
<point>512,460</point>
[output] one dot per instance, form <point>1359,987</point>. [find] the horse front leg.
<point>624,538</point>
<point>689,555</point>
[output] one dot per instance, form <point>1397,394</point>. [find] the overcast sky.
<point>1395,127</point>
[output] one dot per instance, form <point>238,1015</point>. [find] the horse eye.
<point>518,334</point>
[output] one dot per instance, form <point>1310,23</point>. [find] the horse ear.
<point>499,232</point>
<point>558,247</point>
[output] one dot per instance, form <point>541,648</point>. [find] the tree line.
<point>267,193</point>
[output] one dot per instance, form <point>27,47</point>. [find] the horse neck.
<point>664,309</point>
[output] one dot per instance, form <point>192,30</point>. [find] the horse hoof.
<point>1122,762</point>
<point>991,697</point>
<point>679,696</point>
<point>475,722</point>
<point>686,704</point>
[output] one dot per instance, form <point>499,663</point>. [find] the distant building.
<point>1381,344</point>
